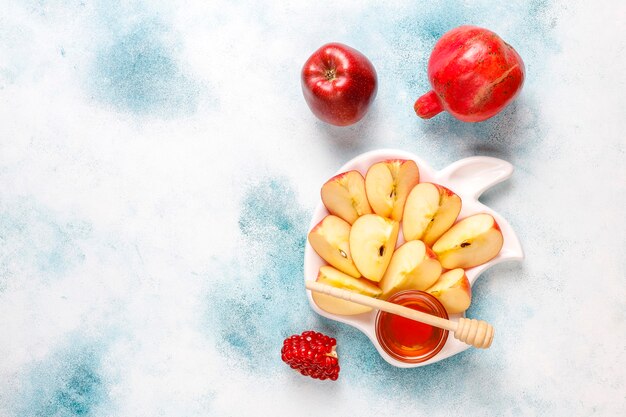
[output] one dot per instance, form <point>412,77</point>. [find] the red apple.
<point>339,84</point>
<point>474,75</point>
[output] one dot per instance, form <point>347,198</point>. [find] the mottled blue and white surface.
<point>158,168</point>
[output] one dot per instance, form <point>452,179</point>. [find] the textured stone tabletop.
<point>158,171</point>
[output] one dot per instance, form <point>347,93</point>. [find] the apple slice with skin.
<point>330,238</point>
<point>453,290</point>
<point>388,184</point>
<point>430,210</point>
<point>413,267</point>
<point>372,242</point>
<point>344,196</point>
<point>330,276</point>
<point>470,242</point>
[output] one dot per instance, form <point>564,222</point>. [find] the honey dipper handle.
<point>474,332</point>
<point>392,308</point>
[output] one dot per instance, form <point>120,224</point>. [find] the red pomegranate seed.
<point>312,354</point>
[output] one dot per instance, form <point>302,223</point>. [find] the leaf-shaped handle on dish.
<point>473,176</point>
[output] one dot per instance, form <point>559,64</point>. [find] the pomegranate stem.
<point>428,105</point>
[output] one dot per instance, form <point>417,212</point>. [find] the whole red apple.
<point>474,75</point>
<point>339,84</point>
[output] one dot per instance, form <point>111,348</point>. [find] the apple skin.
<point>339,84</point>
<point>474,74</point>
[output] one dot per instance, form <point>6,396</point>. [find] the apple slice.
<point>330,238</point>
<point>331,276</point>
<point>344,196</point>
<point>471,242</point>
<point>372,242</point>
<point>388,184</point>
<point>453,290</point>
<point>430,210</point>
<point>413,267</point>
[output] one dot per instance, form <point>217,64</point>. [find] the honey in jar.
<point>408,340</point>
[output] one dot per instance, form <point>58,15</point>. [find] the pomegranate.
<point>474,75</point>
<point>312,354</point>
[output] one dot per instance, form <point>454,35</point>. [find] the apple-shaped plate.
<point>468,178</point>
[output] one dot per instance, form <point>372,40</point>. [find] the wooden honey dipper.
<point>474,332</point>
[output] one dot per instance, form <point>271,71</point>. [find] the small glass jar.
<point>408,340</point>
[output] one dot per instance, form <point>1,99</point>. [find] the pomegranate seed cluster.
<point>312,354</point>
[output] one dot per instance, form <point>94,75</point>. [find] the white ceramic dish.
<point>468,178</point>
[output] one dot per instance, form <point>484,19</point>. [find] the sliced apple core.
<point>340,280</point>
<point>372,242</point>
<point>330,276</point>
<point>388,184</point>
<point>344,196</point>
<point>420,209</point>
<point>430,211</point>
<point>331,240</point>
<point>453,290</point>
<point>470,242</point>
<point>413,267</point>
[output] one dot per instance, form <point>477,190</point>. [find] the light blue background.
<point>158,169</point>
